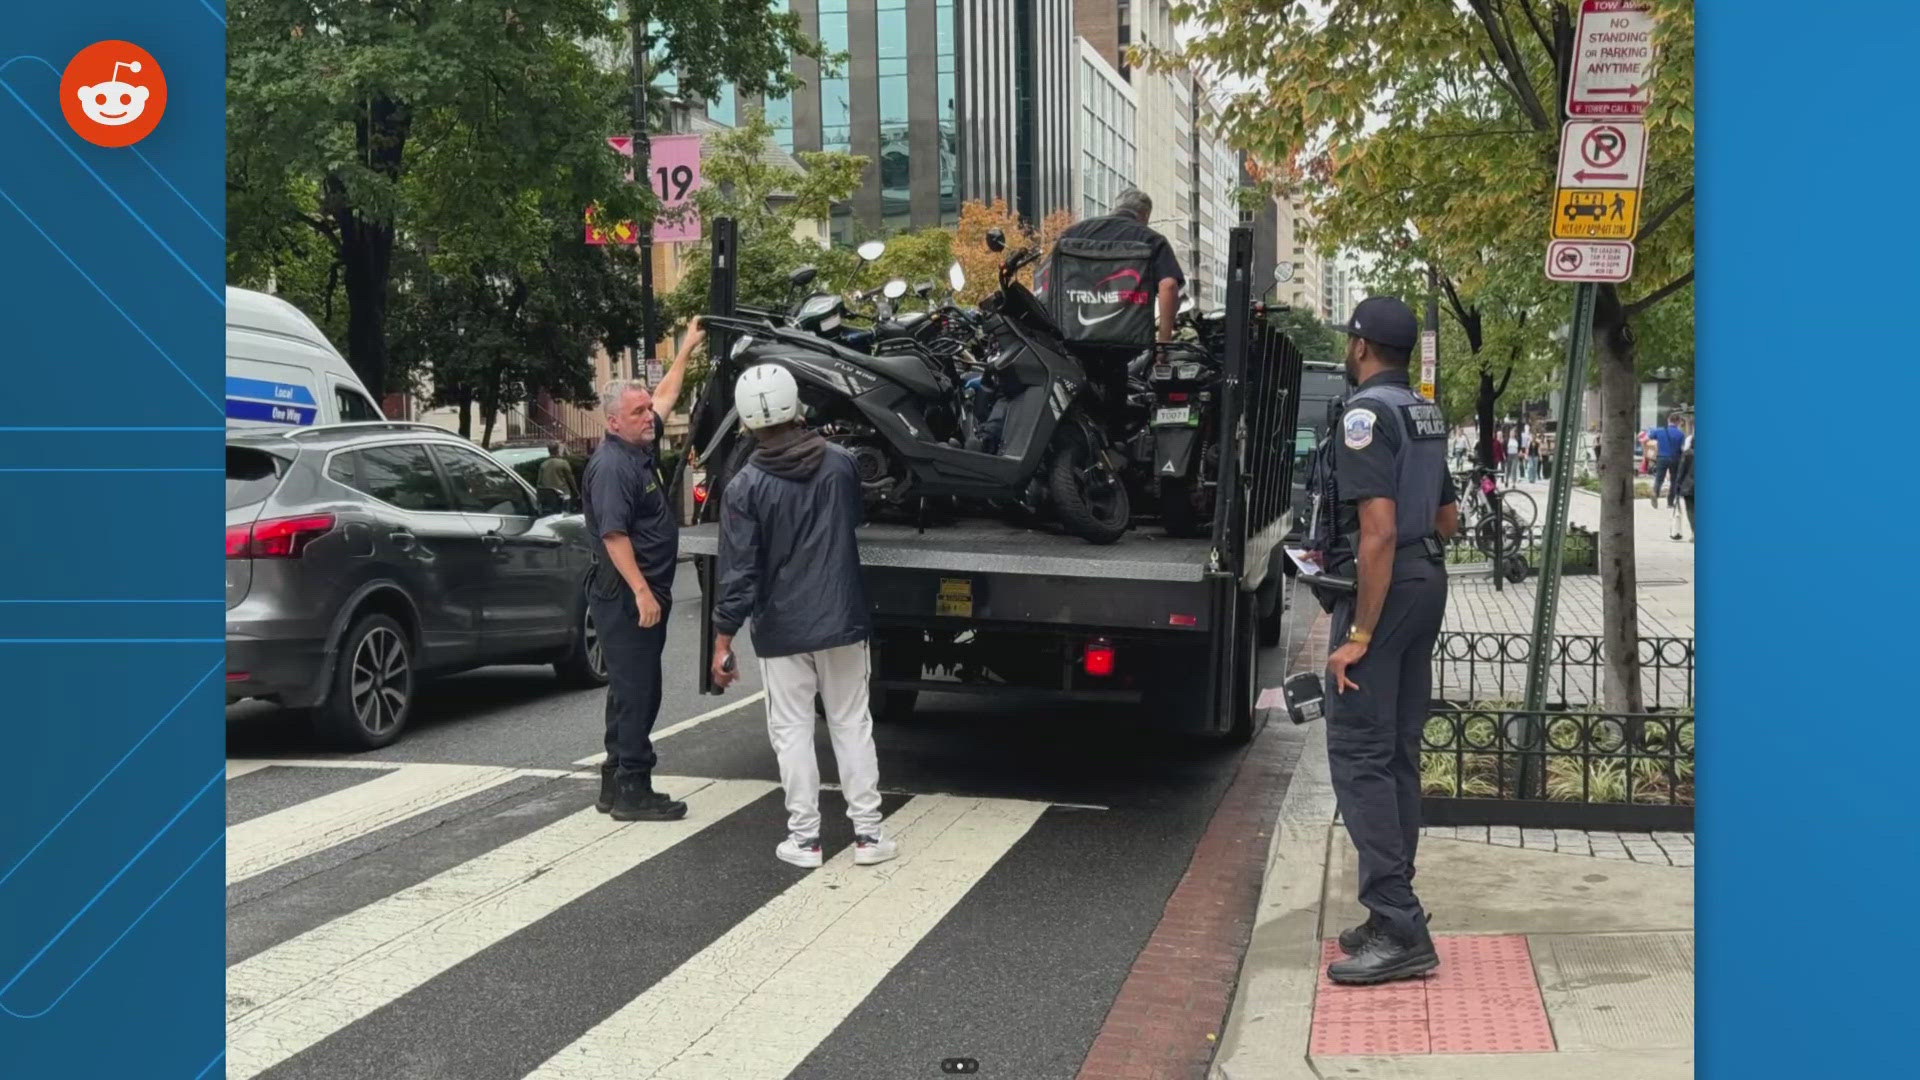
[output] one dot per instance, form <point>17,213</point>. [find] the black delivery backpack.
<point>1098,291</point>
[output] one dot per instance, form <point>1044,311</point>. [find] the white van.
<point>282,371</point>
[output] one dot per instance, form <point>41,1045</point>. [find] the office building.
<point>1105,133</point>
<point>952,100</point>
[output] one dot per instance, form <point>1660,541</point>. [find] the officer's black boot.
<point>1384,958</point>
<point>607,787</point>
<point>635,800</point>
<point>1354,938</point>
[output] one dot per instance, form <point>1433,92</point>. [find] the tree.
<point>473,329</point>
<point>1311,336</point>
<point>981,264</point>
<point>336,106</point>
<point>777,210</point>
<point>1426,134</point>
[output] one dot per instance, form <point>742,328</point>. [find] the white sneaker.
<point>870,850</point>
<point>801,851</point>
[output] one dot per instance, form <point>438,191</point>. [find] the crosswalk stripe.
<point>237,768</point>
<point>294,995</point>
<point>283,836</point>
<point>690,722</point>
<point>758,1000</point>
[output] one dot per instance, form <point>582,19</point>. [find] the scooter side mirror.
<point>996,240</point>
<point>871,250</point>
<point>956,277</point>
<point>895,289</point>
<point>802,277</point>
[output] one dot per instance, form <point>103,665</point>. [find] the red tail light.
<point>1099,658</point>
<point>1176,397</point>
<point>700,493</point>
<point>280,538</point>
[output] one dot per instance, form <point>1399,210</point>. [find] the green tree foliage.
<point>778,210</point>
<point>1308,334</point>
<point>1425,134</point>
<point>369,125</point>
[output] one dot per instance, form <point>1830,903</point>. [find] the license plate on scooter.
<point>1181,414</point>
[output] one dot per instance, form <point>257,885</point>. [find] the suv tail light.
<point>278,538</point>
<point>1099,658</point>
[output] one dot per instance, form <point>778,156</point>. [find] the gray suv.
<point>362,558</point>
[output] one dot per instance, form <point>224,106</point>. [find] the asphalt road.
<point>450,907</point>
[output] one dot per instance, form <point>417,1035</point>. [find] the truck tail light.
<point>279,538</point>
<point>1099,658</point>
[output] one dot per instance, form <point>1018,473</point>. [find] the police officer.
<point>631,589</point>
<point>1396,508</point>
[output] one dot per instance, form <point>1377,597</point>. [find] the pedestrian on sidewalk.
<point>1683,487</point>
<point>1666,442</point>
<point>1397,511</point>
<point>557,473</point>
<point>630,591</point>
<point>789,561</point>
<point>1513,455</point>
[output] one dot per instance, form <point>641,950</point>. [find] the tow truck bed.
<point>989,572</point>
<point>993,547</point>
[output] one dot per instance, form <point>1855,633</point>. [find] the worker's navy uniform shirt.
<point>622,491</point>
<point>1391,444</point>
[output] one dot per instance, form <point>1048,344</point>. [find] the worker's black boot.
<point>607,787</point>
<point>635,800</point>
<point>1384,958</point>
<point>1354,938</point>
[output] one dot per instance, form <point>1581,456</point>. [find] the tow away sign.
<point>1613,59</point>
<point>1590,260</point>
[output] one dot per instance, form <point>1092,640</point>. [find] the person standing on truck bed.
<point>1397,508</point>
<point>789,560</point>
<point>630,591</point>
<point>1162,279</point>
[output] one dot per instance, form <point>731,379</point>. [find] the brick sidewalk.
<point>1665,572</point>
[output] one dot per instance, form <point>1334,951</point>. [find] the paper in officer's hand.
<point>1302,558</point>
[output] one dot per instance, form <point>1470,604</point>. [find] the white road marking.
<point>298,831</point>
<point>297,993</point>
<point>243,766</point>
<point>690,722</point>
<point>756,1002</point>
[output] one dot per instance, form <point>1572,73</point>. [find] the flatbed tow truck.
<point>986,608</point>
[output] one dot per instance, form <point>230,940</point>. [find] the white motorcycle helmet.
<point>766,395</point>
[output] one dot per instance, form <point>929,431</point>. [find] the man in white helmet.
<point>789,561</point>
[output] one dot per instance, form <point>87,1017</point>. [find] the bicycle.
<point>1472,483</point>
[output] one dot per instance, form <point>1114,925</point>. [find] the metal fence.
<point>1574,769</point>
<point>1476,667</point>
<point>1580,554</point>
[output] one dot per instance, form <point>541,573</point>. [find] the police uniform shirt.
<point>621,491</point>
<point>1391,444</point>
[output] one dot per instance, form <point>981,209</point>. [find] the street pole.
<point>1433,324</point>
<point>642,170</point>
<point>1559,495</point>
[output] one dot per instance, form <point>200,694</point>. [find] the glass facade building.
<point>949,99</point>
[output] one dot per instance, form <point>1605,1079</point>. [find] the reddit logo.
<point>113,93</point>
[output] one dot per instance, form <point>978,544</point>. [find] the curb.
<point>1271,1021</point>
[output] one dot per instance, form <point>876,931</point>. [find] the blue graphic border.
<point>112,884</point>
<point>1807,773</point>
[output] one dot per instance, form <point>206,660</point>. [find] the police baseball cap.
<point>1385,320</point>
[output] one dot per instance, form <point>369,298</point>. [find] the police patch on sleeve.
<point>1359,428</point>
